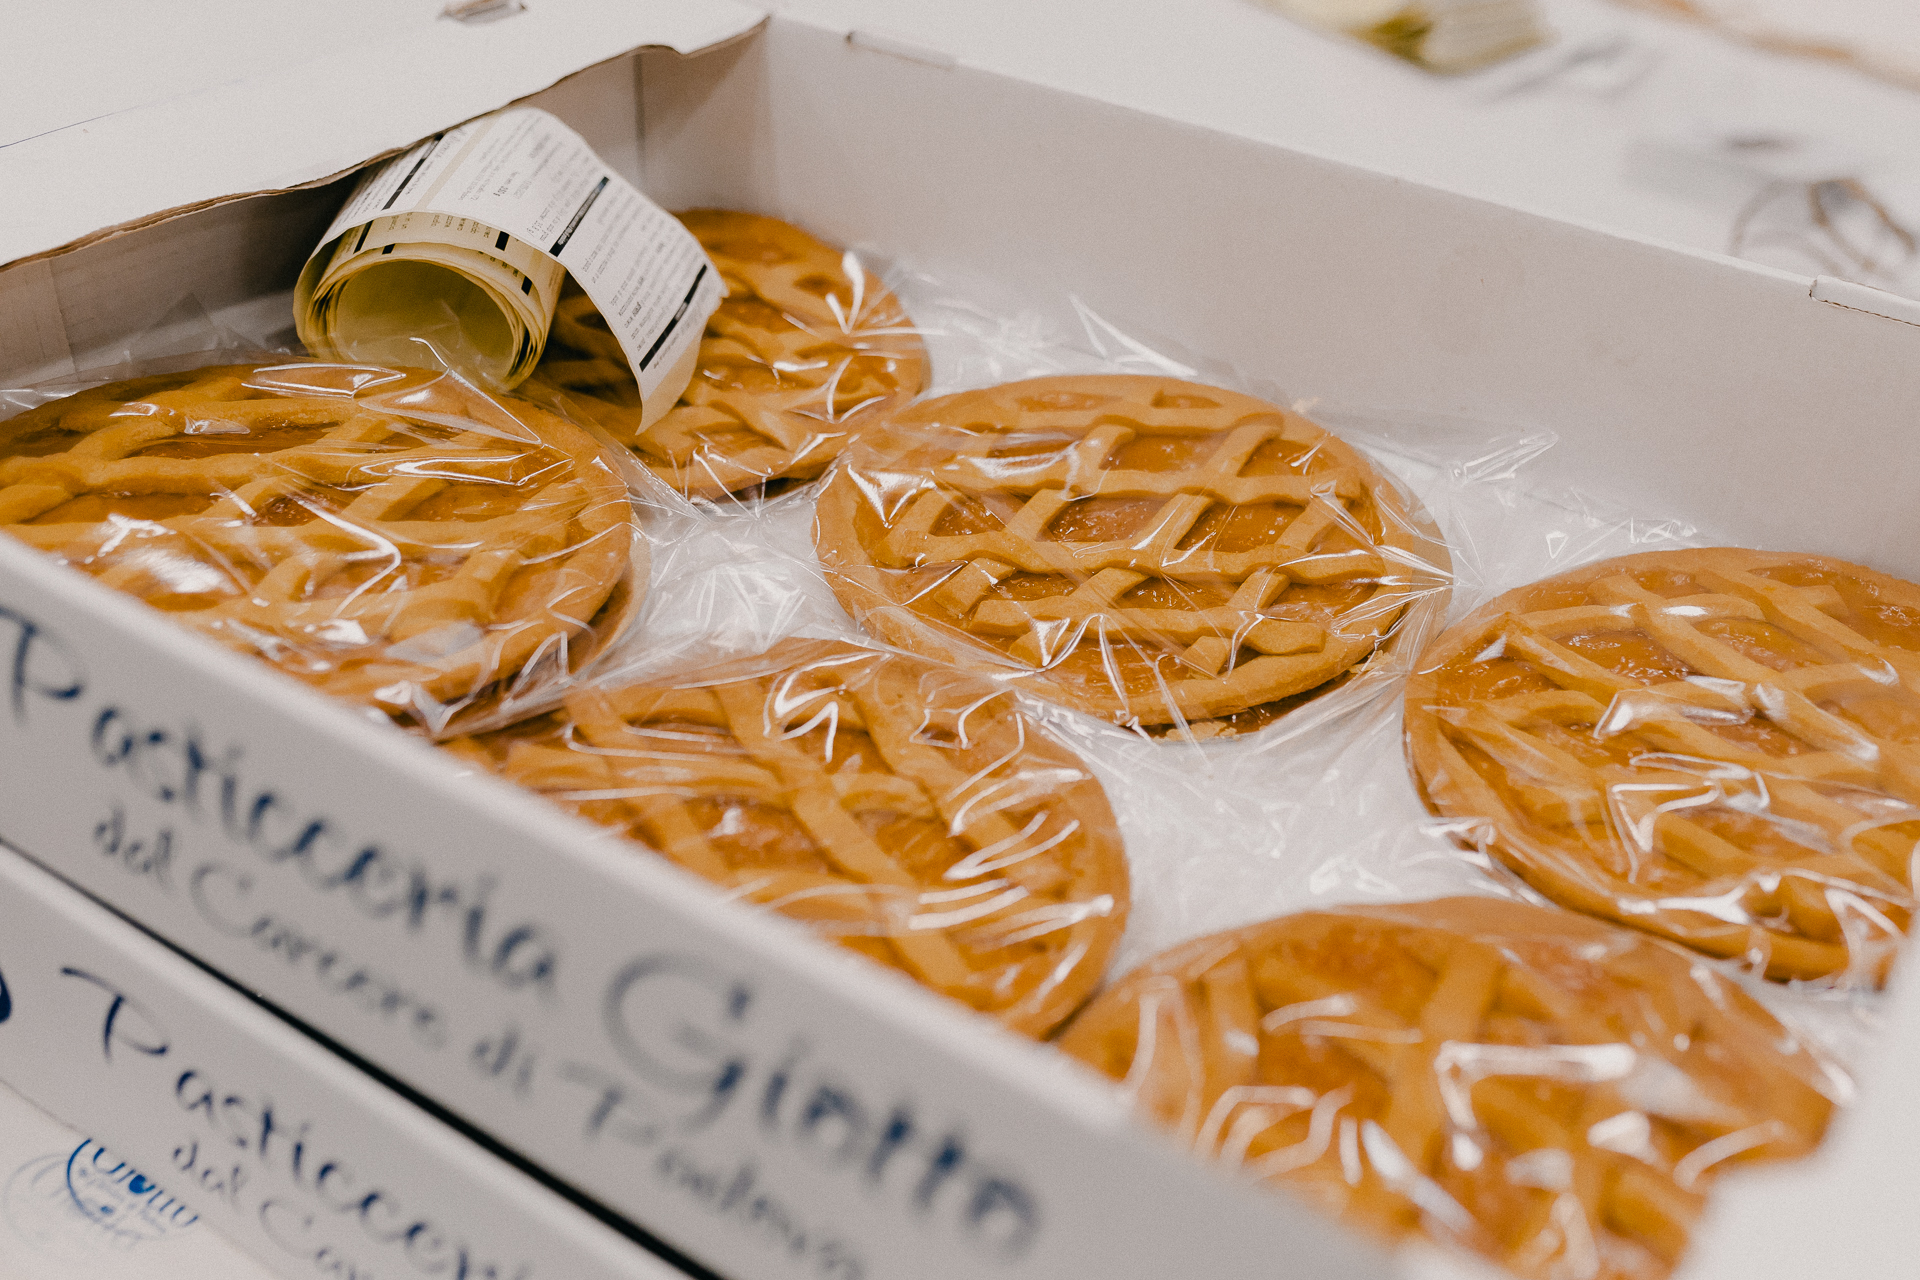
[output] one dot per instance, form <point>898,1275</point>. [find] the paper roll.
<point>452,254</point>
<point>431,289</point>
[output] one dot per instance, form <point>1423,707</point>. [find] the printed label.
<point>702,1076</point>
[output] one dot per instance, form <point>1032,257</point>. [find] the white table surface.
<point>1636,142</point>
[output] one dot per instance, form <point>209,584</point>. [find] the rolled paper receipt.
<point>479,298</point>
<point>453,254</point>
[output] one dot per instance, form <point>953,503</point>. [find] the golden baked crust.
<point>1718,746</point>
<point>1541,1087</point>
<point>905,809</point>
<point>805,349</point>
<point>1153,551</point>
<point>389,536</point>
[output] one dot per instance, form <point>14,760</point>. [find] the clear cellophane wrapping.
<point>1311,806</point>
<point>900,807</point>
<point>1539,1087</point>
<point>1228,819</point>
<point>807,348</point>
<point>397,538</point>
<point>1711,745</point>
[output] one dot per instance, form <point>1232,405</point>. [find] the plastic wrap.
<point>904,809</point>
<point>1231,809</point>
<point>1156,552</point>
<point>1542,1088</point>
<point>805,350</point>
<point>1714,745</point>
<point>393,537</point>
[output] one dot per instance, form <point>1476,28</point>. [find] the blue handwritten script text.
<point>40,665</point>
<point>250,1155</point>
<point>695,1072</point>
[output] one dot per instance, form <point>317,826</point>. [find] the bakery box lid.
<point>116,114</point>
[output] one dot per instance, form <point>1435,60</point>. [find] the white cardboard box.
<point>671,1055</point>
<point>221,1111</point>
<point>70,1206</point>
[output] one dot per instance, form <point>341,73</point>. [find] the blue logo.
<point>6,1000</point>
<point>111,1192</point>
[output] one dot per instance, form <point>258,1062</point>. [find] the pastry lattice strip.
<point>827,381</point>
<point>1489,1038</point>
<point>657,784</point>
<point>293,562</point>
<point>1562,790</point>
<point>803,360</point>
<point>1470,977</point>
<point>824,375</point>
<point>1207,638</point>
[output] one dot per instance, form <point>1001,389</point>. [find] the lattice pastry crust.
<point>804,351</point>
<point>1543,1088</point>
<point>1154,551</point>
<point>391,537</point>
<point>902,808</point>
<point>1718,746</point>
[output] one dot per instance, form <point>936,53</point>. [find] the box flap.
<point>120,112</point>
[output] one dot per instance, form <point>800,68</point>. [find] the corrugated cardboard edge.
<point>163,215</point>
